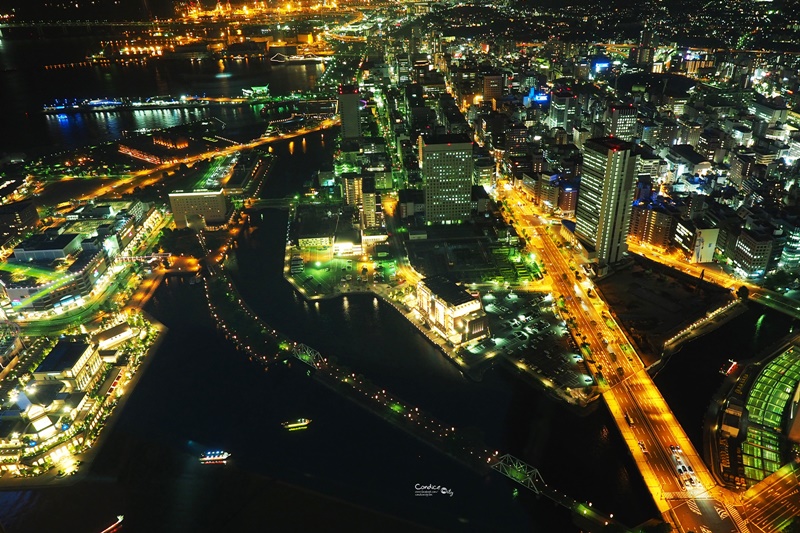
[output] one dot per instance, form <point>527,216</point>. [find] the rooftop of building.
<point>195,192</point>
<point>687,152</point>
<point>110,333</point>
<point>449,138</point>
<point>612,144</point>
<point>411,195</point>
<point>43,241</point>
<point>447,290</point>
<point>479,193</point>
<point>16,207</point>
<point>64,355</point>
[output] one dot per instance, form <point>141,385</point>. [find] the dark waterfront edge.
<point>88,457</point>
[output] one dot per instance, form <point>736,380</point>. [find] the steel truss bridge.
<point>309,356</point>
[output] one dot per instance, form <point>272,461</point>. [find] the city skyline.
<point>426,261</point>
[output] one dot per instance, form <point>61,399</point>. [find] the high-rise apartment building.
<point>563,111</point>
<point>606,195</point>
<point>369,205</point>
<point>352,190</point>
<point>446,167</point>
<point>349,103</point>
<point>652,224</point>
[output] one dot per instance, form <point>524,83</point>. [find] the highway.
<point>688,499</point>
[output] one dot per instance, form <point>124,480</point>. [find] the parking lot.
<point>526,333</point>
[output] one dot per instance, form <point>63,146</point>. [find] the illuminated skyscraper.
<point>606,194</point>
<point>563,111</point>
<point>349,103</point>
<point>446,164</point>
<point>621,122</point>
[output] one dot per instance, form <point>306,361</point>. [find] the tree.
<point>779,279</point>
<point>743,292</point>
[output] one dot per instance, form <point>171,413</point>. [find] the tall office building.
<point>349,103</point>
<point>446,165</point>
<point>643,54</point>
<point>563,111</point>
<point>492,88</point>
<point>620,121</point>
<point>607,190</point>
<point>369,206</point>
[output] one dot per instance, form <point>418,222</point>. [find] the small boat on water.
<point>217,457</point>
<point>296,425</point>
<point>116,526</point>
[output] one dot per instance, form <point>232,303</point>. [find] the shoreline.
<point>473,373</point>
<point>698,329</point>
<point>48,479</point>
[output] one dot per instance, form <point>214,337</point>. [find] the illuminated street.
<point>640,411</point>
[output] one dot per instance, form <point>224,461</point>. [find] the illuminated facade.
<point>349,103</point>
<point>369,214</point>
<point>74,363</point>
<point>603,211</point>
<point>352,189</point>
<point>696,240</point>
<point>790,255</point>
<point>752,253</point>
<point>563,111</point>
<point>492,87</point>
<point>68,288</point>
<point>446,164</point>
<point>213,207</point>
<point>621,122</point>
<point>451,310</point>
<point>652,225</point>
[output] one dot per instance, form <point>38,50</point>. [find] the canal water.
<point>692,376</point>
<point>199,393</point>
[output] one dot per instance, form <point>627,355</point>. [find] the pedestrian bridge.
<point>143,258</point>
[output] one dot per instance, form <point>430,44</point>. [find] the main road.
<point>681,486</point>
<point>149,176</point>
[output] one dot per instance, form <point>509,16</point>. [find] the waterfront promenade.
<point>82,461</point>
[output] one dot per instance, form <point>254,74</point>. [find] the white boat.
<point>218,457</point>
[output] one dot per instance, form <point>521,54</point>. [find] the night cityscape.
<point>399,266</point>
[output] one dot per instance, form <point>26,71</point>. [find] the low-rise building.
<point>212,208</point>
<point>451,310</point>
<point>48,246</point>
<point>74,363</point>
<point>113,336</point>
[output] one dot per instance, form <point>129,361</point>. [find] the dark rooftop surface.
<point>44,242</point>
<point>609,143</point>
<point>451,138</point>
<point>64,355</point>
<point>15,207</point>
<point>447,290</point>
